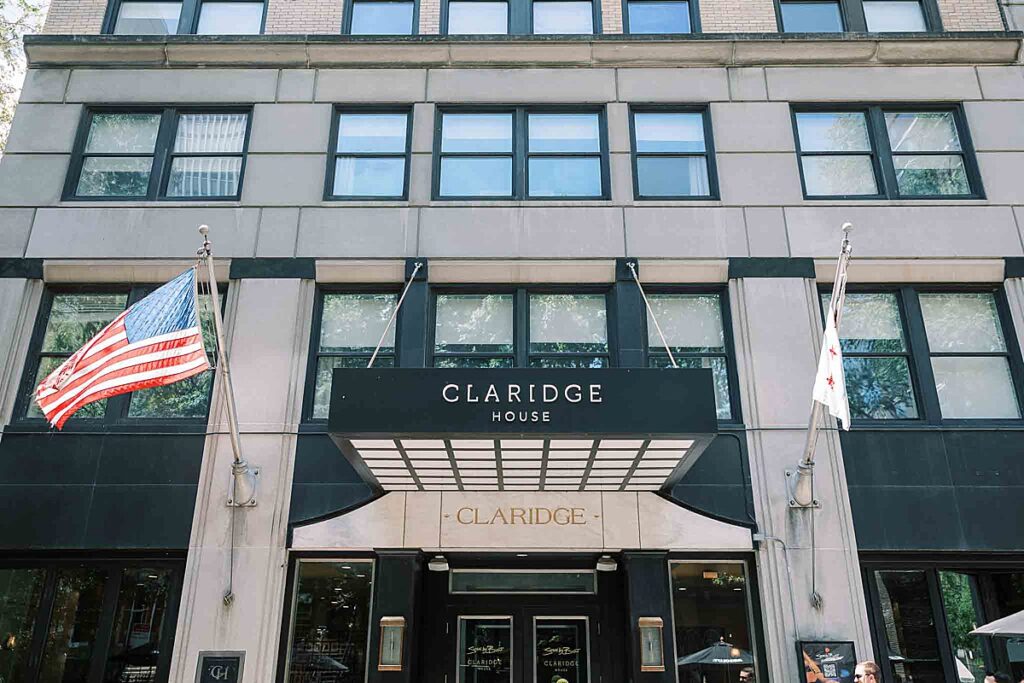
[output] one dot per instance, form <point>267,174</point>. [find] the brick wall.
<point>970,15</point>
<point>304,16</point>
<point>430,17</point>
<point>75,16</point>
<point>611,16</point>
<point>737,16</point>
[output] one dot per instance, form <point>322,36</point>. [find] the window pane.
<point>894,15</point>
<point>811,17</point>
<point>909,626</point>
<point>922,132</point>
<point>974,387</point>
<point>485,650</point>
<point>77,318</point>
<point>369,177</point>
<point>879,388</point>
<point>833,132</point>
<point>563,17</point>
<point>325,375</point>
<point>962,322</point>
<point>477,18</point>
<point>360,133</point>
<point>659,17</point>
<point>47,365</point>
<point>382,18</point>
<point>204,133</point>
<point>564,133</point>
<point>204,177</point>
<point>147,18</point>
<point>20,592</point>
<point>838,175</point>
<point>476,177</point>
<point>330,626</point>
<point>871,323</point>
<point>140,622</point>
<point>958,600</point>
<point>474,322</point>
<point>187,398</point>
<point>114,177</point>
<point>709,602</point>
<point>672,176</point>
<point>354,323</point>
<point>569,362</point>
<point>931,175</point>
<point>563,649</point>
<point>471,581</point>
<point>124,133</point>
<point>568,323</point>
<point>476,133</point>
<point>719,375</point>
<point>71,635</point>
<point>230,18</point>
<point>669,131</point>
<point>692,323</point>
<point>472,362</point>
<point>564,177</point>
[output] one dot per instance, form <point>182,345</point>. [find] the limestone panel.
<point>279,229</point>
<point>43,128</point>
<point>996,125</point>
<point>423,128</point>
<point>521,520</point>
<point>617,114</point>
<point>296,85</point>
<point>15,226</point>
<point>747,83</point>
<point>759,178</point>
<point>1000,175</point>
<point>752,127</point>
<point>766,231</point>
<point>685,232</point>
<point>872,83</point>
<point>622,519</point>
<point>290,128</point>
<point>357,232</point>
<point>1001,82</point>
<point>531,86</point>
<point>379,86</point>
<point>44,85</point>
<point>664,524</point>
<point>124,86</point>
<point>32,179</point>
<point>284,179</point>
<point>672,85</point>
<point>422,520</point>
<point>376,525</point>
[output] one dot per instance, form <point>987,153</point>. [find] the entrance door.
<point>525,645</point>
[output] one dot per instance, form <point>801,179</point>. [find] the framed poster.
<point>220,667</point>
<point>827,661</point>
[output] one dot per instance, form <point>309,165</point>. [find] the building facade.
<point>526,213</point>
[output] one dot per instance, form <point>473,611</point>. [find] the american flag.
<point>156,341</point>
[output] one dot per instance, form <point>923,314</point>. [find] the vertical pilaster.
<point>21,288</point>
<point>397,581</point>
<point>413,316</point>
<point>648,594</point>
<point>629,316</point>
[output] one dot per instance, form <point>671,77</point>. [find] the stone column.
<point>268,323</point>
<point>778,336</point>
<point>20,292</point>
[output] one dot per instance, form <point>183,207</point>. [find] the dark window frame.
<point>333,154</point>
<point>919,354</point>
<point>722,292</point>
<point>116,414</point>
<point>882,155</point>
<point>50,566</point>
<point>851,13</point>
<point>520,150</point>
<point>520,21</point>
<point>520,354</point>
<point>163,154</point>
<point>346,18</point>
<point>309,393</point>
<point>695,27</point>
<point>708,154</point>
<point>188,19</point>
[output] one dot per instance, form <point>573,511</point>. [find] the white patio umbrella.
<point>1008,627</point>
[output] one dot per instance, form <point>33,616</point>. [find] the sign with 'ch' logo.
<point>220,667</point>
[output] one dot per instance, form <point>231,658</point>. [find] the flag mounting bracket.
<point>796,480</point>
<point>242,491</point>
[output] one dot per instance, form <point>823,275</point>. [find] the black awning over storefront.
<point>529,429</point>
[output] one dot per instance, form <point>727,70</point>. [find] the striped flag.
<point>155,342</point>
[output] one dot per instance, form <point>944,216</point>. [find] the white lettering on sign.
<point>519,394</point>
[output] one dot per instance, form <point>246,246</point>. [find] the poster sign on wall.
<point>220,667</point>
<point>827,661</point>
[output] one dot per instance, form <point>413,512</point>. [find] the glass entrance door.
<point>561,649</point>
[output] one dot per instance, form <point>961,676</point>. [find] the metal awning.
<point>526,429</point>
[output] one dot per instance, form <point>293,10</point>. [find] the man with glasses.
<point>866,672</point>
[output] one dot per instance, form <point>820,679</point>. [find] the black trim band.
<point>771,267</point>
<point>1014,267</point>
<point>265,268</point>
<point>22,268</point>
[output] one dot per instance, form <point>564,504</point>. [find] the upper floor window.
<point>933,355</point>
<point>875,16</point>
<point>521,153</point>
<point>696,334</point>
<point>68,319</point>
<point>558,330</point>
<point>348,327</point>
<point>371,155</point>
<point>519,17</point>
<point>885,152</point>
<point>660,16</point>
<point>381,18</point>
<point>202,17</point>
<point>159,153</point>
<point>672,154</point>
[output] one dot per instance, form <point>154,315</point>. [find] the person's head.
<point>1002,678</point>
<point>866,672</point>
<point>747,674</point>
<point>990,677</point>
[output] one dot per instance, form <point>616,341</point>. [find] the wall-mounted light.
<point>392,635</point>
<point>606,563</point>
<point>438,564</point>
<point>652,652</point>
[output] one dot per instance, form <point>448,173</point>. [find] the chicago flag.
<point>156,341</point>
<point>830,384</point>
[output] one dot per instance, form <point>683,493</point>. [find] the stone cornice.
<point>311,51</point>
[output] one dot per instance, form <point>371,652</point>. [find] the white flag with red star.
<point>830,384</point>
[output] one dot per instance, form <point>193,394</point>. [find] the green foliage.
<point>17,18</point>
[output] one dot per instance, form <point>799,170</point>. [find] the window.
<point>166,154</point>
<point>660,16</point>
<point>371,155</point>
<point>520,17</point>
<point>350,325</point>
<point>879,152</point>
<point>381,18</point>
<point>693,327</point>
<point>964,364</point>
<point>521,153</point>
<point>68,319</point>
<point>330,620</point>
<point>212,17</point>
<point>671,158</point>
<point>560,330</point>
<point>875,16</point>
<point>111,618</point>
